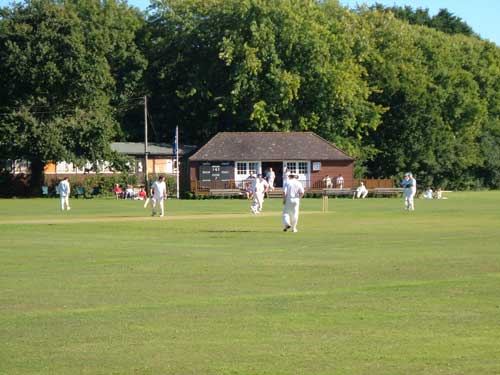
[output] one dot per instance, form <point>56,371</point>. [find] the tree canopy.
<point>65,66</point>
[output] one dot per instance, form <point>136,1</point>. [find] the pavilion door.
<point>278,171</point>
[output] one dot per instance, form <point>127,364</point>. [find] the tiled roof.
<point>268,146</point>
<point>137,148</point>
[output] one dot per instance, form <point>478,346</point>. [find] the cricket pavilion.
<point>228,160</point>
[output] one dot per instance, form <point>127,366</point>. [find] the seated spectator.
<point>118,191</point>
<point>439,194</point>
<point>428,193</point>
<point>248,190</point>
<point>141,195</point>
<point>340,182</point>
<point>129,192</point>
<point>327,181</point>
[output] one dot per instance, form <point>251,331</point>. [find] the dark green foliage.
<point>444,20</point>
<point>102,185</point>
<point>257,66</point>
<point>64,65</point>
<point>439,103</point>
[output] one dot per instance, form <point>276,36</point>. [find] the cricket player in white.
<point>409,185</point>
<point>158,195</point>
<point>292,192</point>
<point>361,191</point>
<point>260,188</point>
<point>64,189</point>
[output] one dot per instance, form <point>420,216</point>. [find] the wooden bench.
<point>225,192</point>
<point>335,192</point>
<point>380,192</point>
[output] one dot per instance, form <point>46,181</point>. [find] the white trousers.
<point>271,184</point>
<point>258,202</point>
<point>409,201</point>
<point>291,213</point>
<point>65,203</point>
<point>154,203</point>
<point>361,194</point>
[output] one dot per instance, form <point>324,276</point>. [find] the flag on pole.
<point>176,151</point>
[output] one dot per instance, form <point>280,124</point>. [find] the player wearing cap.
<point>292,192</point>
<point>409,185</point>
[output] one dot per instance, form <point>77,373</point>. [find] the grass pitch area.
<point>366,288</point>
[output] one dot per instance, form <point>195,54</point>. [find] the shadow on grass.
<point>229,231</point>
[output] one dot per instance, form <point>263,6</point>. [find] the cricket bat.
<point>146,203</point>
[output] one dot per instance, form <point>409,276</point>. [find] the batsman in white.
<point>293,191</point>
<point>260,188</point>
<point>158,195</point>
<point>64,189</point>
<point>409,185</point>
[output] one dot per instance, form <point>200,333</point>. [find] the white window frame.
<point>245,171</point>
<point>305,178</point>
<point>242,177</point>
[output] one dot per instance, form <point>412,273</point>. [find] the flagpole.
<point>177,158</point>
<point>146,143</point>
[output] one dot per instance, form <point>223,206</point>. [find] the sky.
<point>481,15</point>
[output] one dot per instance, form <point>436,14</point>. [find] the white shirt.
<point>64,188</point>
<point>260,186</point>
<point>293,189</point>
<point>409,185</point>
<point>361,189</point>
<point>159,189</point>
<point>340,180</point>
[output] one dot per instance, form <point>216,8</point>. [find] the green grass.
<point>364,289</point>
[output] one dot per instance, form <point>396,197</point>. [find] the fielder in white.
<point>64,189</point>
<point>260,188</point>
<point>158,195</point>
<point>361,191</point>
<point>292,192</point>
<point>409,185</point>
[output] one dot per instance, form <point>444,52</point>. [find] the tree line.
<point>398,89</point>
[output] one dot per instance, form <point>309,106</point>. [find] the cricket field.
<point>211,289</point>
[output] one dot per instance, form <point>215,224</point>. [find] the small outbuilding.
<point>230,158</point>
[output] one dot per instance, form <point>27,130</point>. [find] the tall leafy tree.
<point>444,20</point>
<point>435,112</point>
<point>257,65</point>
<point>64,65</point>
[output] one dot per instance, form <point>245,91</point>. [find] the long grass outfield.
<point>366,288</point>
